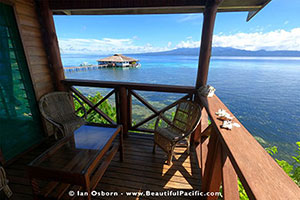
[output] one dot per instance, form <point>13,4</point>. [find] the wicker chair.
<point>169,132</point>
<point>57,108</point>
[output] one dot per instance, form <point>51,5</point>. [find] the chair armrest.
<point>57,125</point>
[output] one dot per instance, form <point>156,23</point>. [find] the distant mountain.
<point>227,51</point>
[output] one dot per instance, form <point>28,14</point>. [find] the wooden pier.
<point>82,68</point>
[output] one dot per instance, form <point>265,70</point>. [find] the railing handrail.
<point>260,175</point>
<point>130,85</point>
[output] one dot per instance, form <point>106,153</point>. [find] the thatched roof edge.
<point>118,58</point>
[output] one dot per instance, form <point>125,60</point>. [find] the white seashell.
<point>236,125</point>
<point>223,115</point>
<point>207,91</point>
<point>227,124</point>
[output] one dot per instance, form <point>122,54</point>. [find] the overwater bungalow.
<point>118,60</point>
<point>44,158</point>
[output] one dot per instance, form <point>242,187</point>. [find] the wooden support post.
<point>121,145</point>
<point>201,141</point>
<point>51,43</point>
<point>123,109</point>
<point>204,119</point>
<point>212,178</point>
<point>202,125</point>
<point>229,179</point>
<point>129,111</point>
<point>203,152</point>
<point>87,187</point>
<point>195,138</point>
<point>206,40</point>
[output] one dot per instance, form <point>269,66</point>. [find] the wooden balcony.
<point>140,171</point>
<point>219,157</point>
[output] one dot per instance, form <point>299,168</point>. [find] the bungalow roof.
<point>118,58</point>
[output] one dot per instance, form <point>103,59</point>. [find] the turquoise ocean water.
<point>263,93</point>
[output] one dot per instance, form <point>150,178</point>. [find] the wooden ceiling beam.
<point>251,14</point>
<point>93,7</point>
<point>151,10</point>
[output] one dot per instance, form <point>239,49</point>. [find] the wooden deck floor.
<point>141,171</point>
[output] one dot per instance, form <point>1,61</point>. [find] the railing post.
<point>229,179</point>
<point>129,109</point>
<point>203,153</point>
<point>123,109</point>
<point>212,178</point>
<point>196,136</point>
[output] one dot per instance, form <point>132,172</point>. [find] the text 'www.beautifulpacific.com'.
<point>168,193</point>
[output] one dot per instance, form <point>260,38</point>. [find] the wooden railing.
<point>224,156</point>
<point>227,155</point>
<point>124,92</point>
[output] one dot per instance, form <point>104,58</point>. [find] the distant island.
<point>226,51</point>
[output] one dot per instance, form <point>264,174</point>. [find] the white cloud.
<point>104,46</point>
<point>274,40</point>
<point>190,17</point>
<point>135,37</point>
<point>188,44</point>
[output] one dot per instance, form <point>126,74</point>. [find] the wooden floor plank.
<point>140,171</point>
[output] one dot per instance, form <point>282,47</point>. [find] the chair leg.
<point>170,156</point>
<point>188,146</point>
<point>154,148</point>
<point>188,142</point>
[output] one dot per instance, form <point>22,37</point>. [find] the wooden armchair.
<point>169,132</point>
<point>57,108</point>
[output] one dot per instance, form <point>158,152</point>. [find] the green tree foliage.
<point>293,170</point>
<point>105,107</point>
<point>93,116</point>
<point>242,192</point>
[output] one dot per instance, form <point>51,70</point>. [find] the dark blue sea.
<point>263,93</point>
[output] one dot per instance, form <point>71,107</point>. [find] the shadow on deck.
<point>141,171</point>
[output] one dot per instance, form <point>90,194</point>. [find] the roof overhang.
<point>123,7</point>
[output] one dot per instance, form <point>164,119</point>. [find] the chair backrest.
<point>187,115</point>
<point>58,109</point>
<point>56,105</point>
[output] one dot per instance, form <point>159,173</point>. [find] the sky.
<point>276,27</point>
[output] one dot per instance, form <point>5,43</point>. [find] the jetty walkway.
<point>82,68</point>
